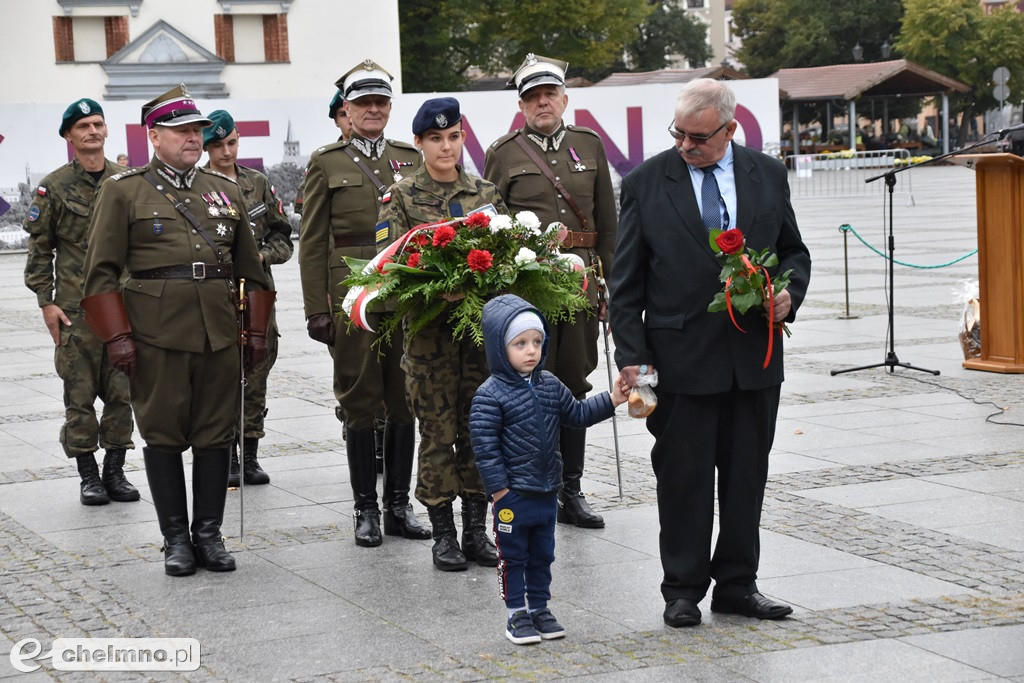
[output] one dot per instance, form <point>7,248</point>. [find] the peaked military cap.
<point>335,105</point>
<point>367,78</point>
<point>79,109</point>
<point>536,70</point>
<point>174,108</point>
<point>221,127</point>
<point>439,112</point>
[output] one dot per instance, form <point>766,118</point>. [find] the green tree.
<point>669,30</point>
<point>779,34</point>
<point>957,39</point>
<point>437,46</point>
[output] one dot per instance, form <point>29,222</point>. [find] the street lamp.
<point>886,49</point>
<point>858,52</point>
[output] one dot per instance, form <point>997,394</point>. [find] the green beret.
<point>79,109</point>
<point>336,103</point>
<point>222,126</point>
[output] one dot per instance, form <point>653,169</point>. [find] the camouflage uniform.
<point>273,235</point>
<point>57,224</point>
<point>441,375</point>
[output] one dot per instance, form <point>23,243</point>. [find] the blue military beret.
<point>221,127</point>
<point>440,113</point>
<point>336,103</point>
<point>79,109</point>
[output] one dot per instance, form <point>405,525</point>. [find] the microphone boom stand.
<point>891,360</point>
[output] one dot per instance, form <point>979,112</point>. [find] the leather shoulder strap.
<point>381,187</point>
<point>532,153</point>
<point>184,211</point>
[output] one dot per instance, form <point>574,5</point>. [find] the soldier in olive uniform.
<point>335,112</point>
<point>57,223</point>
<point>345,183</point>
<point>273,235</point>
<point>183,237</point>
<point>576,159</point>
<point>443,375</point>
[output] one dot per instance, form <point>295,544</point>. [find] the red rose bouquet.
<point>452,268</point>
<point>747,281</point>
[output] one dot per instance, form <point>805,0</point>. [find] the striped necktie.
<point>710,200</point>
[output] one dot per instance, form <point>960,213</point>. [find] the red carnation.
<point>478,220</point>
<point>443,235</point>
<point>414,260</point>
<point>380,264</point>
<point>730,241</point>
<point>479,260</point>
<point>420,239</point>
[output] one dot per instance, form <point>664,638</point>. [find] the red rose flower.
<point>478,220</point>
<point>479,260</point>
<point>443,235</point>
<point>414,260</point>
<point>730,241</point>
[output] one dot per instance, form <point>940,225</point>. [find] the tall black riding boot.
<point>234,468</point>
<point>572,504</point>
<point>399,519</point>
<point>209,490</point>
<point>448,556</point>
<point>166,476</point>
<point>117,485</point>
<point>379,427</point>
<point>363,474</point>
<point>251,470</point>
<point>476,544</point>
<point>92,491</point>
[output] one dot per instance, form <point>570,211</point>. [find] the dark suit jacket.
<point>666,274</point>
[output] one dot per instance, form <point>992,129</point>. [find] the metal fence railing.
<point>842,174</point>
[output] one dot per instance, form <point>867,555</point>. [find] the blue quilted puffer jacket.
<point>514,420</point>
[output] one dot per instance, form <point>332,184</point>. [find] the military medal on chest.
<point>580,166</point>
<point>396,169</point>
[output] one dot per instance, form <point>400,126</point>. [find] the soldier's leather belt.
<point>191,271</point>
<point>355,241</point>
<point>580,240</point>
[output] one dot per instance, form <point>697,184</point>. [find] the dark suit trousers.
<point>694,435</point>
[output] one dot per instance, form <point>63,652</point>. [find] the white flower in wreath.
<point>525,256</point>
<point>500,222</point>
<point>529,220</point>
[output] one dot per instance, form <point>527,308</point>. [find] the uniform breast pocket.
<point>344,187</point>
<point>152,222</point>
<point>584,175</point>
<point>76,230</point>
<point>528,184</point>
<point>425,209</point>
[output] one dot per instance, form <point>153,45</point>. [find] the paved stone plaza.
<point>893,523</point>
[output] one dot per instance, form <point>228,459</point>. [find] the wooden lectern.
<point>1000,189</point>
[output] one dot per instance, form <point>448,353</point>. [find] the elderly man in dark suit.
<point>717,405</point>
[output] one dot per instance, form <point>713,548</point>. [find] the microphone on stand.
<point>1006,131</point>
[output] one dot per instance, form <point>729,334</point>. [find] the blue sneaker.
<point>520,629</point>
<point>546,624</point>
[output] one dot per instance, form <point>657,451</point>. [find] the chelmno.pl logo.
<point>109,654</point>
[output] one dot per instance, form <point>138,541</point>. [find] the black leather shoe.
<point>179,557</point>
<point>574,509</point>
<point>367,528</point>
<point>116,484</point>
<point>400,520</point>
<point>448,556</point>
<point>754,605</point>
<point>682,612</point>
<point>212,555</point>
<point>91,491</point>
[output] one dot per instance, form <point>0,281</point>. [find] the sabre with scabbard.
<point>243,341</point>
<point>602,297</point>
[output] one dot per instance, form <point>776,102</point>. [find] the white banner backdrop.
<point>632,121</point>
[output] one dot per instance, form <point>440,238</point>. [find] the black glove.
<point>121,353</point>
<point>320,327</point>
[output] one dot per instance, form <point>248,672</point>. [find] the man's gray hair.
<point>706,93</point>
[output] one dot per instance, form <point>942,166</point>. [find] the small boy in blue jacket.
<point>513,424</point>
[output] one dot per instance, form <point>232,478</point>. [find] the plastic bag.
<point>970,322</point>
<point>642,399</point>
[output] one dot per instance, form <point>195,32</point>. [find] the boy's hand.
<point>621,392</point>
<point>498,495</point>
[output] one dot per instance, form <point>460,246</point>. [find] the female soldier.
<point>441,374</point>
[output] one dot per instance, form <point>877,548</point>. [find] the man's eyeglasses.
<point>698,139</point>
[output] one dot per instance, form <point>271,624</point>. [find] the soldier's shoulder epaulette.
<point>212,172</point>
<point>504,138</point>
<point>582,129</point>
<point>402,145</point>
<point>128,173</point>
<point>340,144</point>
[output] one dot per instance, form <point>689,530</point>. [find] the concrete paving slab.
<point>996,650</point>
<point>944,513</point>
<point>863,496</point>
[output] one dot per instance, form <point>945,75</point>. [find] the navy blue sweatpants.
<point>524,531</point>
